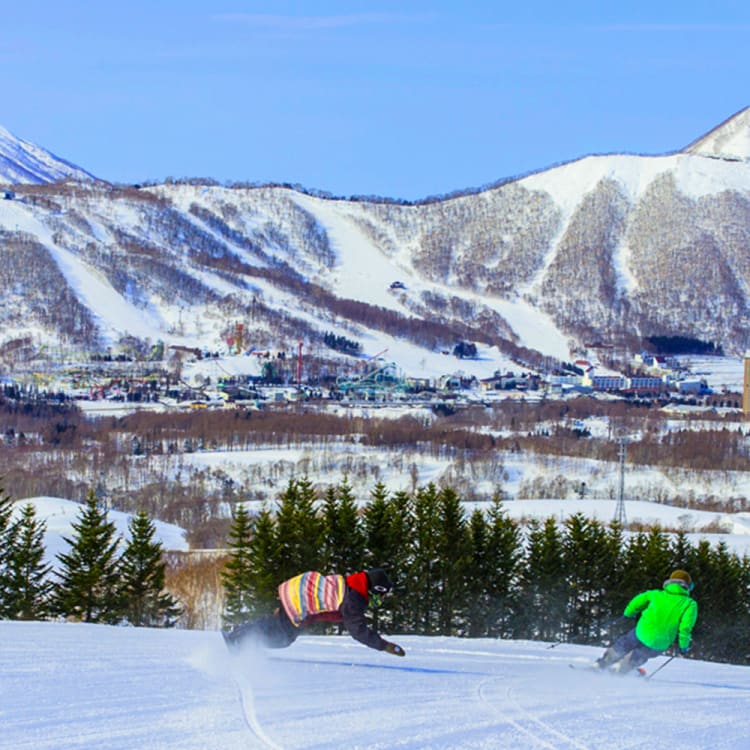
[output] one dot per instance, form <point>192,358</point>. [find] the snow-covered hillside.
<point>59,514</point>
<point>607,249</point>
<point>729,140</point>
<point>75,686</point>
<point>24,162</point>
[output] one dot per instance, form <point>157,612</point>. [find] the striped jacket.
<point>312,596</point>
<point>311,593</point>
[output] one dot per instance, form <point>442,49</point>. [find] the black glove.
<point>394,649</point>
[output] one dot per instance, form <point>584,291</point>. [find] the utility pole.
<point>620,516</point>
<point>299,366</point>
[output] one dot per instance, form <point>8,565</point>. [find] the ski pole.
<point>557,643</point>
<point>658,669</point>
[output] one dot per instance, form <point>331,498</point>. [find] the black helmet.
<point>378,581</point>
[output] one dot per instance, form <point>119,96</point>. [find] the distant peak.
<point>22,162</point>
<point>730,140</point>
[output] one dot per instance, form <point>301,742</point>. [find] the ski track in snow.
<point>247,701</point>
<point>542,727</point>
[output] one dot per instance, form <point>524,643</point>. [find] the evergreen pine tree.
<point>544,585</point>
<point>423,594</point>
<point>607,621</point>
<point>477,605</point>
<point>376,522</point>
<point>657,561</point>
<point>29,575</point>
<point>143,575</point>
<point>344,548</point>
<point>452,556</point>
<point>387,529</point>
<point>265,573</point>
<point>398,556</point>
<point>237,576</point>
<point>503,569</point>
<point>589,561</point>
<point>88,588</point>
<point>681,549</point>
<point>740,643</point>
<point>8,532</point>
<point>299,530</point>
<point>722,619</point>
<point>634,578</point>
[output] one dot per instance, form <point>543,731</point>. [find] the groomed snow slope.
<point>76,687</point>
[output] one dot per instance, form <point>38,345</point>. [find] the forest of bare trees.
<point>148,460</point>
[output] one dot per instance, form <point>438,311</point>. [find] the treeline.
<point>482,574</point>
<point>684,345</point>
<point>136,459</point>
<point>96,580</point>
<point>60,426</point>
<point>342,344</point>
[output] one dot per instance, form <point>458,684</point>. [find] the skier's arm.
<point>637,604</point>
<point>353,614</point>
<point>687,623</point>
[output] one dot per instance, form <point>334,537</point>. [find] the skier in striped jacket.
<point>313,597</point>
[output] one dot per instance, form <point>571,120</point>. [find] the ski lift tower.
<point>620,516</point>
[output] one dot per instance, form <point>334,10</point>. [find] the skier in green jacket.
<point>666,615</point>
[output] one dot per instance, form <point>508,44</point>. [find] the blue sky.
<point>400,99</point>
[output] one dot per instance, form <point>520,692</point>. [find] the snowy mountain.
<point>23,162</point>
<point>73,685</point>
<point>730,140</point>
<point>611,249</point>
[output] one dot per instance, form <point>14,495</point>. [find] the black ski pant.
<point>269,631</point>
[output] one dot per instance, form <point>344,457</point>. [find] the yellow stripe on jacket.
<point>311,593</point>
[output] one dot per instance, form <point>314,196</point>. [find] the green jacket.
<point>666,614</point>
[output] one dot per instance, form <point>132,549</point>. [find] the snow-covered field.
<point>79,687</point>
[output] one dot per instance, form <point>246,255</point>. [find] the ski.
<point>637,672</point>
<point>586,667</point>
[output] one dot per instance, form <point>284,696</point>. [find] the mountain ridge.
<point>728,140</point>
<point>22,162</point>
<point>611,249</point>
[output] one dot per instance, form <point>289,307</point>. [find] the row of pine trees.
<point>99,579</point>
<point>479,573</point>
<point>458,571</point>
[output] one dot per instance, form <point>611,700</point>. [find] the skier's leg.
<point>279,630</point>
<point>247,631</point>
<point>635,658</point>
<point>269,631</point>
<point>618,649</point>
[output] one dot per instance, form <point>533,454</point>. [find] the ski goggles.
<point>376,597</point>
